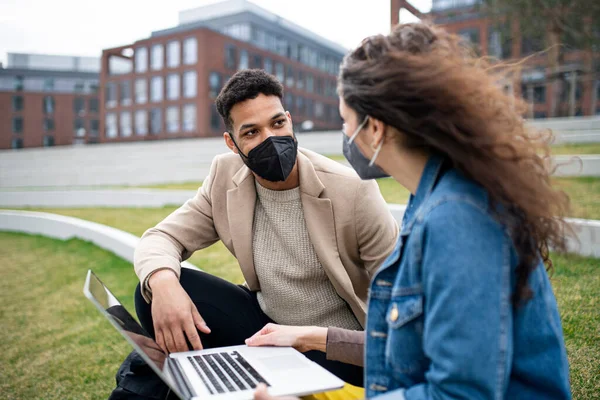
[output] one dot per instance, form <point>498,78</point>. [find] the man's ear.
<point>229,142</point>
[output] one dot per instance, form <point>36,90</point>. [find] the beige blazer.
<point>350,226</point>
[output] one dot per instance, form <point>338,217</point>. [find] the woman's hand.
<point>302,338</point>
<point>262,394</point>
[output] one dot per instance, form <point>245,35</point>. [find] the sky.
<point>85,27</point>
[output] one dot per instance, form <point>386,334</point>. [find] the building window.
<point>471,35</point>
<point>268,66</point>
<point>93,105</point>
<point>141,91</point>
<point>19,81</point>
<point>289,103</point>
<point>257,61</point>
<point>500,41</point>
<point>156,89</point>
<point>308,106</point>
<point>215,119</point>
<point>79,105</point>
<point>566,92</point>
<point>300,80</point>
<point>281,46</point>
<point>173,85</point>
<point>539,114</point>
<point>79,127</point>
<point>79,87</point>
<point>48,124</point>
<point>532,43</point>
<point>48,105</point>
<point>111,95</point>
<point>17,103</point>
<point>190,51</point>
<point>319,86</point>
<point>578,90</point>
<point>279,73</point>
<point>190,84</point>
<point>230,57</point>
<point>17,143</point>
<point>125,96</point>
<point>309,83</point>
<point>172,119</point>
<point>155,121</point>
<point>244,62</point>
<point>141,122</point>
<point>17,124</point>
<point>173,54</point>
<point>111,125</point>
<point>141,59</point>
<point>125,122</point>
<point>239,31</point>
<point>319,111</point>
<point>539,94</point>
<point>48,84</point>
<point>289,77</point>
<point>93,87</point>
<point>48,141</point>
<point>189,118</point>
<point>94,127</point>
<point>214,82</point>
<point>156,62</point>
<point>300,104</point>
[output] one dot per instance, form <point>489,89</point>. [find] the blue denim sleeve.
<point>467,306</point>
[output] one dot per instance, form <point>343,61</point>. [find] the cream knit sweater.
<point>294,287</point>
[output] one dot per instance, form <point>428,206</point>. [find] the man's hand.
<point>302,338</point>
<point>174,314</point>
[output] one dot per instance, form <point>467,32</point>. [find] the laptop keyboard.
<point>226,372</point>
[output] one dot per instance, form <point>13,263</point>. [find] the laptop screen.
<point>121,319</point>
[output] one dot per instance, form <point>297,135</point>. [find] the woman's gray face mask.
<point>364,167</point>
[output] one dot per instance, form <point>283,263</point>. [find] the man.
<point>307,233</point>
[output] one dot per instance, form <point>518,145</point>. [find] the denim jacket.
<point>441,323</point>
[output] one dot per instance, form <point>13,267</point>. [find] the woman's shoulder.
<point>459,203</point>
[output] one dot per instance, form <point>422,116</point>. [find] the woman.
<point>463,307</point>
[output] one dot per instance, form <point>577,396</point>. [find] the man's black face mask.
<point>273,159</point>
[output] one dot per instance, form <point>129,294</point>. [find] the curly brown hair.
<point>426,83</point>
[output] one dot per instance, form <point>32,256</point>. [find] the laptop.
<point>231,373</point>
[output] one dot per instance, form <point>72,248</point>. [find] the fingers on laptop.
<point>192,335</point>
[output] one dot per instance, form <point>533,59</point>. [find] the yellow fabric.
<point>348,392</point>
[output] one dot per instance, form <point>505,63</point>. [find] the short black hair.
<point>244,85</point>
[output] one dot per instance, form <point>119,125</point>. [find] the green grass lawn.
<point>57,346</point>
<point>576,148</point>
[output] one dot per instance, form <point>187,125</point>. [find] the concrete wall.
<point>123,243</point>
<point>586,242</point>
<point>94,198</point>
<point>60,227</point>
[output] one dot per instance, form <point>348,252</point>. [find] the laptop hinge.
<point>180,378</point>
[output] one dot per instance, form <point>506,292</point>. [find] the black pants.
<point>232,313</point>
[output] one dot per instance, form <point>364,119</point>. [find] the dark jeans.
<point>232,313</point>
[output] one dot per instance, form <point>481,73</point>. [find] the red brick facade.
<point>211,58</point>
<point>59,126</point>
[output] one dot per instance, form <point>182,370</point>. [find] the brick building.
<point>48,100</point>
<point>504,42</point>
<point>164,86</point>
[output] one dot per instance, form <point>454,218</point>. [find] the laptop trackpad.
<point>282,362</point>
